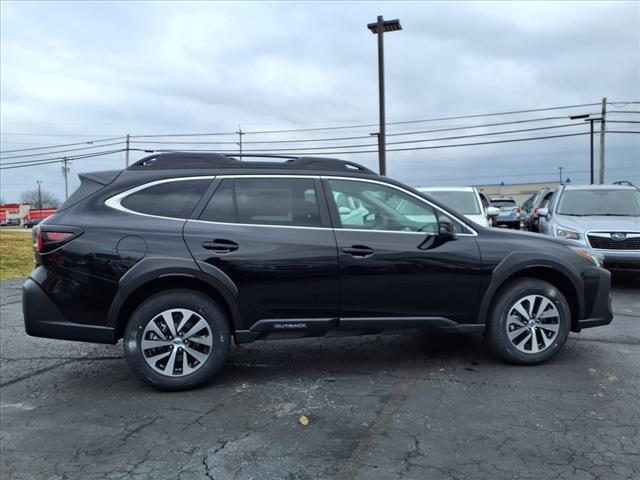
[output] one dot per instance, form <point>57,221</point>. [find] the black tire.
<point>496,331</point>
<point>150,309</point>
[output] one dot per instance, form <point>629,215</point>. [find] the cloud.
<point>104,68</point>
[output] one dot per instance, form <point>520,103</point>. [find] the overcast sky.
<point>77,71</point>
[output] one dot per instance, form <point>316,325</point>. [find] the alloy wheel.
<point>533,324</point>
<point>176,342</point>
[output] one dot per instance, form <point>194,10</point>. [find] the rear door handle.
<point>358,251</point>
<point>220,246</point>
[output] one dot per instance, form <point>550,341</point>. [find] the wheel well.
<point>166,283</point>
<point>558,280</point>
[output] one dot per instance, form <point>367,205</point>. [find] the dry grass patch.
<point>16,254</point>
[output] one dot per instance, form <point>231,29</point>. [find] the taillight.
<point>52,237</point>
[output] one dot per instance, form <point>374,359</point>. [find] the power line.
<point>284,152</point>
<point>61,145</point>
<point>61,151</point>
<point>45,161</point>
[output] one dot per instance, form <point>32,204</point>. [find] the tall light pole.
<point>65,173</point>
<point>378,28</point>
<point>560,168</point>
<point>39,195</point>
<point>587,118</point>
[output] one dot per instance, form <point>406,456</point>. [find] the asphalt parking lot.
<point>433,407</point>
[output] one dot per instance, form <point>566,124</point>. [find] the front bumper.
<point>598,309</point>
<point>621,258</point>
<point>43,319</point>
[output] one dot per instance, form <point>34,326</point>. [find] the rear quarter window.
<point>175,199</point>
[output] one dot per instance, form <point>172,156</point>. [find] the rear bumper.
<point>43,319</point>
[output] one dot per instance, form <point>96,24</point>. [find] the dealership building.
<point>18,213</point>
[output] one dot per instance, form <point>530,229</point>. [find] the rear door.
<point>396,270</point>
<point>271,236</point>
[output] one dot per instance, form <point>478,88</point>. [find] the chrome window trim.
<point>115,202</point>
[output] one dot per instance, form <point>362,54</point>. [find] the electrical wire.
<point>61,151</point>
<point>62,145</point>
<point>45,161</point>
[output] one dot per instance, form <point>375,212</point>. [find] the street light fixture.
<point>378,28</point>
<point>587,118</point>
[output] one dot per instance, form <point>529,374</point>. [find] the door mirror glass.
<point>543,212</point>
<point>445,227</point>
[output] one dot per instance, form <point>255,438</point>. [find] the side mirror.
<point>543,212</point>
<point>445,227</point>
<point>493,211</point>
<point>344,210</point>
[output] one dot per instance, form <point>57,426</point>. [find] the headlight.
<point>566,233</point>
<point>590,255</point>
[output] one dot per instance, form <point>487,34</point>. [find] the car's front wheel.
<point>528,322</point>
<point>177,340</point>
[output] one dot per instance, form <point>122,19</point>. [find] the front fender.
<point>516,262</point>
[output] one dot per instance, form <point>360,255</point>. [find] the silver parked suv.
<point>603,217</point>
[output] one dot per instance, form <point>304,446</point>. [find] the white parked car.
<point>464,200</point>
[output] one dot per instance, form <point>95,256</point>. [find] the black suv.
<point>180,252</point>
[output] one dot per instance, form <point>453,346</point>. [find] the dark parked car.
<point>32,223</point>
<point>180,253</point>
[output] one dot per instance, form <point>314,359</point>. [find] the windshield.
<point>600,202</point>
<point>463,202</point>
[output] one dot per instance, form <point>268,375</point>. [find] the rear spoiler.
<point>103,178</point>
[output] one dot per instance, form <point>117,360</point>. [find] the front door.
<point>396,269</point>
<point>271,236</point>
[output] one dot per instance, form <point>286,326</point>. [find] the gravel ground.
<point>428,407</point>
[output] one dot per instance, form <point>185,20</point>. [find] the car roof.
<point>446,189</point>
<point>600,187</point>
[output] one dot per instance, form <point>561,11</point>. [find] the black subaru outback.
<point>179,253</point>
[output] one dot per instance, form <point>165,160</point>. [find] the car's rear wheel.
<point>177,340</point>
<point>528,322</point>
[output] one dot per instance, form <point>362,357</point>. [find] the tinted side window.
<point>172,199</point>
<point>265,201</point>
<point>371,206</point>
<point>277,201</point>
<point>221,207</point>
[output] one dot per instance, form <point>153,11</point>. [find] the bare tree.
<point>33,197</point>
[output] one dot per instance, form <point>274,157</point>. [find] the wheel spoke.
<point>201,357</point>
<point>152,326</point>
<point>522,342</point>
<point>207,341</point>
<point>168,320</point>
<point>186,315</point>
<point>517,332</point>
<point>153,359</point>
<point>551,313</point>
<point>534,341</point>
<point>200,324</point>
<point>544,303</point>
<point>521,310</point>
<point>552,327</point>
<point>516,320</point>
<point>186,368</point>
<point>546,340</point>
<point>532,301</point>
<point>147,343</point>
<point>171,363</point>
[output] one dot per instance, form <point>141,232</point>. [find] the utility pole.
<point>602,129</point>
<point>560,168</point>
<point>65,172</point>
<point>378,28</point>
<point>591,153</point>
<point>240,134</point>
<point>39,195</point>
<point>127,150</point>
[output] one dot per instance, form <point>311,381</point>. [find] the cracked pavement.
<point>428,407</point>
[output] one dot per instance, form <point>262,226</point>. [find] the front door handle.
<point>220,246</point>
<point>360,251</point>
